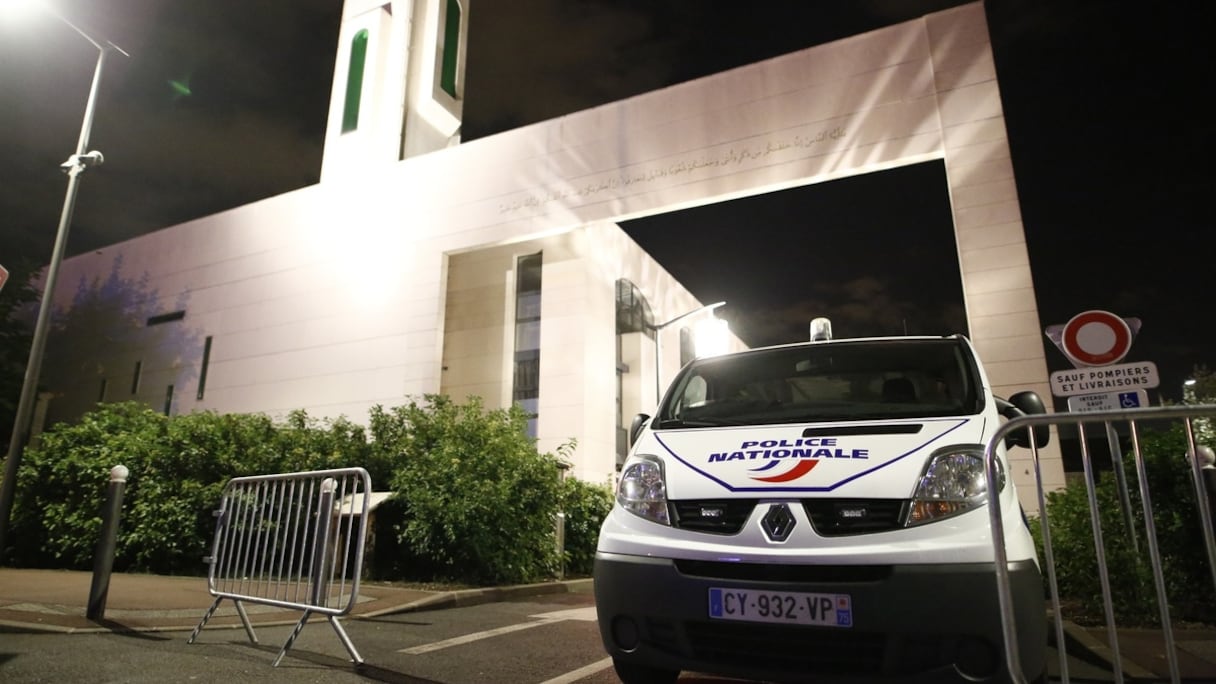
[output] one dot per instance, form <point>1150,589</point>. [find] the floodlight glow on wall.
<point>711,337</point>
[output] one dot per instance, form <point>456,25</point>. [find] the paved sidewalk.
<point>57,601</point>
<point>1143,653</point>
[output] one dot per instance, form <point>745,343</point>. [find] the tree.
<point>1202,390</point>
<point>17,315</point>
<point>98,341</point>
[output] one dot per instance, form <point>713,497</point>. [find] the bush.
<point>475,502</point>
<point>585,505</point>
<point>478,501</point>
<point>1179,537</point>
<point>178,467</point>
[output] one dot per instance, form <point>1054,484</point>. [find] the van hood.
<point>871,460</point>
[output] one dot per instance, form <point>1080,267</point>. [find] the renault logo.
<point>778,522</point>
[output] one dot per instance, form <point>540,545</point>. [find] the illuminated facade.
<point>412,266</point>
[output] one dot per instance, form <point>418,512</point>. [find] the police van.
<point>817,512</point>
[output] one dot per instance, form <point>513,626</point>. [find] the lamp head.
<point>21,8</point>
<point>79,162</point>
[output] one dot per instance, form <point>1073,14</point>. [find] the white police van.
<point>816,512</point>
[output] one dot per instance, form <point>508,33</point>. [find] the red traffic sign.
<point>1096,338</point>
<point>3,277</point>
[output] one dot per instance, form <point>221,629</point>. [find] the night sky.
<point>224,102</point>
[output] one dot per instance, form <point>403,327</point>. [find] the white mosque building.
<point>496,268</point>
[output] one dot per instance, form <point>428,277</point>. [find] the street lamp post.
<point>74,166</point>
<point>658,358</point>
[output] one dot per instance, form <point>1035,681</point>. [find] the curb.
<point>473,597</point>
<point>435,601</point>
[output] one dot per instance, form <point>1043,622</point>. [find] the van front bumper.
<point>931,623</point>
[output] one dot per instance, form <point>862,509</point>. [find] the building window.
<point>526,388</point>
<point>687,350</point>
<point>354,81</point>
<point>632,310</point>
<point>622,435</point>
<point>633,315</point>
<point>202,373</point>
<point>451,49</point>
<point>166,318</point>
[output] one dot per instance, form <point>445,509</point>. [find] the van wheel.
<point>632,673</point>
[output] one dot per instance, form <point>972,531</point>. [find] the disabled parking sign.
<point>1109,401</point>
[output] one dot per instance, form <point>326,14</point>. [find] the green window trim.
<point>354,81</point>
<point>451,48</point>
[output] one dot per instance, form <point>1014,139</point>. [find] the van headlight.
<point>954,482</point>
<point>643,489</point>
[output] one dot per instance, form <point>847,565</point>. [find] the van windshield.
<point>864,380</point>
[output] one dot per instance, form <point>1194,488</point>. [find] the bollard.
<point>323,545</point>
<point>321,570</point>
<point>1207,468</point>
<point>561,545</point>
<point>103,558</point>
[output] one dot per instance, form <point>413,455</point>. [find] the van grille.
<point>779,572</point>
<point>829,517</point>
<point>843,517</point>
<point>716,516</point>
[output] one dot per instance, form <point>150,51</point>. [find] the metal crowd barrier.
<point>1133,418</point>
<point>292,540</point>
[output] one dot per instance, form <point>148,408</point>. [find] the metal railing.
<point>292,540</point>
<point>1133,418</point>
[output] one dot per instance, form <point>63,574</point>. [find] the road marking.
<point>469,638</point>
<point>583,614</point>
<point>571,677</point>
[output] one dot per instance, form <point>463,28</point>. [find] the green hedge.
<point>475,501</point>
<point>478,503</point>
<point>1188,580</point>
<point>586,505</point>
<point>178,467</point>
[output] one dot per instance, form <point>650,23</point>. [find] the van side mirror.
<point>1026,403</point>
<point>635,428</point>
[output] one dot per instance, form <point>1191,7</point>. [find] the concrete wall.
<point>331,298</point>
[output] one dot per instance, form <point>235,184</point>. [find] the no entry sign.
<point>1096,338</point>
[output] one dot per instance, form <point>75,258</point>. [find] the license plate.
<point>787,607</point>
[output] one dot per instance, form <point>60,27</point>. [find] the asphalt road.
<point>541,640</point>
<point>547,639</point>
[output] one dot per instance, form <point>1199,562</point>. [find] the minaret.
<point>398,83</point>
